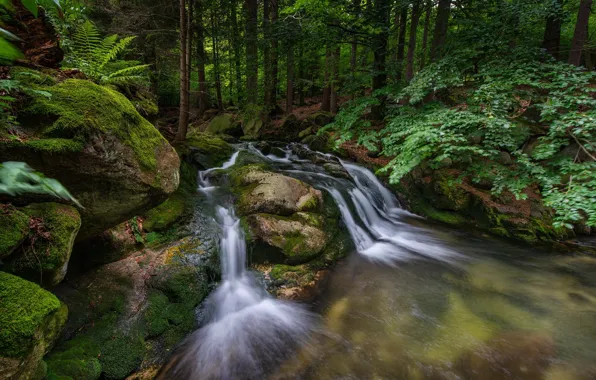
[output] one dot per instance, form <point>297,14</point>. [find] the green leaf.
<point>31,5</point>
<point>8,35</point>
<point>8,52</point>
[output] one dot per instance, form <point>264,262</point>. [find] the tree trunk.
<point>252,68</point>
<point>201,58</point>
<point>183,117</point>
<point>290,80</point>
<point>216,67</point>
<point>335,79</point>
<point>441,25</point>
<point>581,32</point>
<point>381,11</point>
<point>237,51</point>
<point>274,52</point>
<point>301,74</point>
<point>401,44</point>
<point>354,52</point>
<point>412,42</point>
<point>326,102</point>
<point>266,55</point>
<point>552,31</point>
<point>429,8</point>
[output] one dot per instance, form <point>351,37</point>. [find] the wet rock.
<point>304,152</point>
<point>45,254</point>
<point>92,140</point>
<point>336,170</point>
<point>206,150</point>
<point>225,124</point>
<point>261,191</point>
<point>30,321</point>
<point>300,237</point>
<point>252,128</point>
<point>516,355</point>
<point>504,158</point>
<point>320,119</point>
<point>14,229</point>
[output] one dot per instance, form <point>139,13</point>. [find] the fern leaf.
<point>85,42</point>
<point>116,49</point>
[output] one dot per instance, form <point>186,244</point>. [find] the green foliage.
<point>96,57</point>
<point>514,123</point>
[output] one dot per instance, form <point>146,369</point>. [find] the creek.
<point>414,301</point>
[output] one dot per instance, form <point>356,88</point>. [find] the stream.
<point>415,301</point>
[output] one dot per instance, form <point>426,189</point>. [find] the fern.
<point>92,55</point>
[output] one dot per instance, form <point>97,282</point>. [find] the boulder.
<point>225,124</point>
<point>252,127</point>
<point>260,191</point>
<point>206,150</point>
<point>30,321</point>
<point>300,237</point>
<point>44,255</point>
<point>14,229</point>
<point>92,140</point>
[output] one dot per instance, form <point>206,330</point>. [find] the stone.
<point>45,255</point>
<point>14,229</point>
<point>206,150</point>
<point>95,143</point>
<point>261,191</point>
<point>300,237</point>
<point>30,321</point>
<point>225,124</point>
<point>252,127</point>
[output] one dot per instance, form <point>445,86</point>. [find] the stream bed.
<point>414,301</point>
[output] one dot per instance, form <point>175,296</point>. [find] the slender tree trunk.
<point>354,52</point>
<point>335,79</point>
<point>429,8</point>
<point>552,31</point>
<point>326,102</point>
<point>441,26</point>
<point>189,34</point>
<point>201,58</point>
<point>290,80</point>
<point>183,117</point>
<point>274,52</point>
<point>216,67</point>
<point>266,55</point>
<point>381,10</point>
<point>301,74</point>
<point>237,50</point>
<point>581,32</point>
<point>401,44</point>
<point>412,42</point>
<point>252,57</point>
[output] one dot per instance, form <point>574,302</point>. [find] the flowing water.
<point>415,301</point>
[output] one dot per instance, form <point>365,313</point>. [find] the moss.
<point>74,369</point>
<point>78,109</point>
<point>121,356</point>
<point>220,124</point>
<point>41,372</point>
<point>166,214</point>
<point>29,316</point>
<point>48,251</point>
<point>206,149</point>
<point>14,228</point>
<point>31,77</point>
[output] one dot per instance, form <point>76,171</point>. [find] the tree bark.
<point>412,42</point>
<point>216,67</point>
<point>290,80</point>
<point>429,8</point>
<point>441,25</point>
<point>335,79</point>
<point>237,50</point>
<point>381,12</point>
<point>301,74</point>
<point>267,55</point>
<point>401,41</point>
<point>252,68</point>
<point>581,32</point>
<point>183,117</point>
<point>274,52</point>
<point>354,51</point>
<point>201,59</point>
<point>552,31</point>
<point>326,102</point>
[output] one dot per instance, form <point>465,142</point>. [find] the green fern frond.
<point>116,49</point>
<point>102,51</point>
<point>86,39</point>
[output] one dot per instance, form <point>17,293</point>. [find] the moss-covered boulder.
<point>14,229</point>
<point>93,140</point>
<point>225,124</point>
<point>205,150</point>
<point>300,237</point>
<point>261,191</point>
<point>30,321</point>
<point>44,255</point>
<point>252,127</point>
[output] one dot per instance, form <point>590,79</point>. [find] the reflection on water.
<point>502,313</point>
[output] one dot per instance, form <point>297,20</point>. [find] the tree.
<point>412,42</point>
<point>581,32</point>
<point>552,31</point>
<point>251,38</point>
<point>425,33</point>
<point>184,106</point>
<point>401,38</point>
<point>203,97</point>
<point>379,43</point>
<point>441,26</point>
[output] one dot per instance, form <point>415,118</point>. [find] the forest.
<point>269,189</point>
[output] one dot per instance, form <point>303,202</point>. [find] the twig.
<point>583,147</point>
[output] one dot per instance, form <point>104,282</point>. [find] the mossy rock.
<point>225,124</point>
<point>14,229</point>
<point>93,140</point>
<point>30,321</point>
<point>252,127</point>
<point>166,214</point>
<point>206,150</point>
<point>46,254</point>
